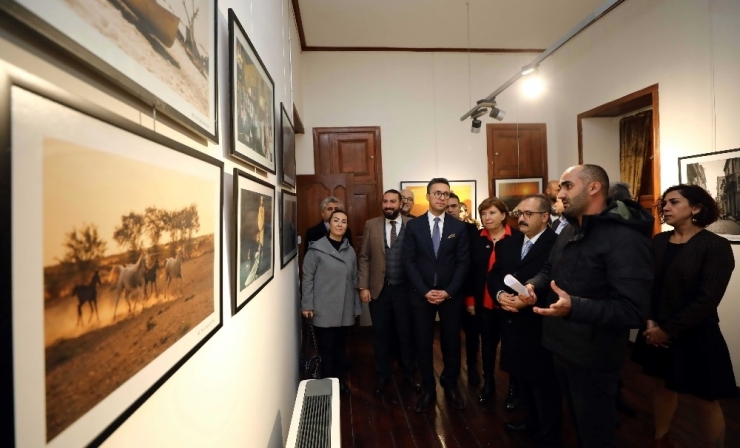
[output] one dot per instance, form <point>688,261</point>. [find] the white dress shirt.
<point>399,223</point>
<point>441,217</point>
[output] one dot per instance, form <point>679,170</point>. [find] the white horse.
<point>173,271</point>
<point>130,278</point>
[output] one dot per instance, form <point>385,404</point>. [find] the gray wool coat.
<point>330,284</point>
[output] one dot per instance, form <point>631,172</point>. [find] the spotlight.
<point>497,113</point>
<point>475,126</point>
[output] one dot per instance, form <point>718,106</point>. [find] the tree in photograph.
<point>129,234</point>
<point>84,248</point>
<point>155,225</point>
<point>191,225</point>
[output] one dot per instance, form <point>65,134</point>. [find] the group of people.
<point>559,292</point>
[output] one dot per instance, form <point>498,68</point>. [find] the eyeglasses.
<point>527,214</point>
<point>441,194</point>
<point>405,199</point>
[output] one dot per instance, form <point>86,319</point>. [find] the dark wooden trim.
<point>427,50</point>
<point>490,127</point>
<point>297,122</point>
<point>647,97</point>
<point>299,23</point>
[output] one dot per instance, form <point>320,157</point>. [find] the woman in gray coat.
<point>330,296</point>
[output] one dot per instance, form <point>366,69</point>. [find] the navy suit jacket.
<point>449,266</point>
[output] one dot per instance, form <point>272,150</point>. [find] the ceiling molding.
<point>427,50</point>
<point>299,23</point>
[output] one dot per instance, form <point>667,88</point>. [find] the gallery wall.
<point>239,388</point>
<point>417,98</point>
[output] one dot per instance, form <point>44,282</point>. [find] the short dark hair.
<point>437,180</point>
<point>338,211</point>
<point>697,196</point>
<point>394,192</point>
<point>594,173</point>
<point>545,202</point>
<point>493,201</point>
<point>454,196</point>
<point>619,191</point>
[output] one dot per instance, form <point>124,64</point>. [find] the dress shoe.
<point>343,389</point>
<point>427,399</point>
<point>517,426</point>
<point>409,381</point>
<point>489,388</point>
<point>454,398</point>
<point>624,407</point>
<point>473,377</point>
<point>512,398</point>
<point>381,386</point>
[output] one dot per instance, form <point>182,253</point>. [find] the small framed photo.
<point>288,227</point>
<point>718,173</point>
<point>287,146</point>
<point>252,101</point>
<point>513,191</point>
<point>254,205</point>
<point>465,189</point>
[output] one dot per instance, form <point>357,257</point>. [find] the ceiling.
<point>437,25</point>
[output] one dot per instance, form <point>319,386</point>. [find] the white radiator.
<point>315,422</point>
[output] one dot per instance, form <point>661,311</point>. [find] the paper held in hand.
<point>514,284</point>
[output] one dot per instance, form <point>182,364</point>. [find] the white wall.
<point>239,388</point>
<point>689,48</point>
<point>601,144</point>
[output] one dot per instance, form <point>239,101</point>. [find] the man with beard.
<point>383,286</point>
<point>407,202</point>
<point>594,287</point>
<point>552,190</point>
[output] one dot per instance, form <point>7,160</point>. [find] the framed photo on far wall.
<point>254,213</point>
<point>163,52</point>
<point>719,174</point>
<point>465,189</point>
<point>288,227</point>
<point>96,219</point>
<point>252,101</point>
<point>513,191</point>
<point>287,146</point>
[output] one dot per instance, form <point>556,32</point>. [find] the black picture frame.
<point>717,173</point>
<point>288,227</point>
<point>250,197</point>
<point>287,148</point>
<point>166,78</point>
<point>40,144</point>
<point>252,101</point>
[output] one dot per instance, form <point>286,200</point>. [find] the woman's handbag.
<point>310,364</point>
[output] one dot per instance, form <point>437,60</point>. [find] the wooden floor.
<point>390,420</point>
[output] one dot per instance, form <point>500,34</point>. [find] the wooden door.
<point>354,151</point>
<point>516,151</point>
<point>311,190</point>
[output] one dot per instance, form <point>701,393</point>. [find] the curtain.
<point>635,144</point>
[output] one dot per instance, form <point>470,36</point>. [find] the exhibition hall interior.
<point>163,162</point>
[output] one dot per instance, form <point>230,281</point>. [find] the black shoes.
<point>517,426</point>
<point>381,386</point>
<point>473,377</point>
<point>489,389</point>
<point>427,399</point>
<point>454,398</point>
<point>409,381</point>
<point>512,398</point>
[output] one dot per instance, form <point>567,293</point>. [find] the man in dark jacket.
<point>592,290</point>
<point>328,206</point>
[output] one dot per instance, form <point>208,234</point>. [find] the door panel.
<point>516,151</point>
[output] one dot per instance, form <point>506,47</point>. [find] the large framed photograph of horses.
<point>288,227</point>
<point>254,205</point>
<point>161,51</point>
<point>114,257</point>
<point>287,144</point>
<point>252,101</point>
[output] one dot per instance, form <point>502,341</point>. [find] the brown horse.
<point>88,294</point>
<point>150,276</point>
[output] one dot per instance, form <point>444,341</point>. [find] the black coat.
<point>522,353</point>
<point>478,275</point>
<point>449,266</point>
<point>319,231</point>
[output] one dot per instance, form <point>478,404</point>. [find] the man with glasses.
<point>407,202</point>
<point>436,258</point>
<point>315,233</point>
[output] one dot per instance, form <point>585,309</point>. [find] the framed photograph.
<point>513,191</point>
<point>287,143</point>
<point>114,256</point>
<point>465,189</point>
<point>254,205</point>
<point>288,227</point>
<point>718,173</point>
<point>252,101</point>
<point>163,52</point>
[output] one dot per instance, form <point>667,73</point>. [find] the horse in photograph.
<point>150,276</point>
<point>88,294</point>
<point>130,278</point>
<point>173,271</point>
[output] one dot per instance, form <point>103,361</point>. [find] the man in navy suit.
<point>436,258</point>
